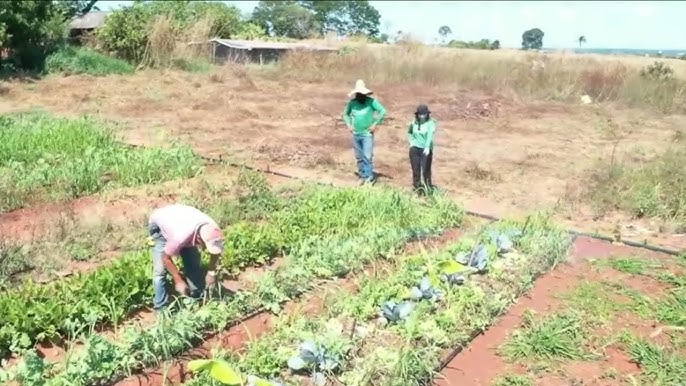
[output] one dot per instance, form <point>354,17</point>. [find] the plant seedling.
<point>393,312</point>
<point>316,358</point>
<point>425,291</point>
<point>222,372</point>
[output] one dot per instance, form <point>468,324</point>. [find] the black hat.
<point>422,109</point>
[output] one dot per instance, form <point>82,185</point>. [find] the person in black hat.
<point>420,134</point>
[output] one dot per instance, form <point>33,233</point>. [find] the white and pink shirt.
<point>179,225</point>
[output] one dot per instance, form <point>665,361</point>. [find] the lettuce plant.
<point>315,358</point>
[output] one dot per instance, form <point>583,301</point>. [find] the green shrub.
<point>70,61</point>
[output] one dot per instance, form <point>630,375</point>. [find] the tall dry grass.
<point>556,77</point>
<point>169,46</point>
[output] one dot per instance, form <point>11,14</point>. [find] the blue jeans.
<point>190,257</point>
<point>363,145</point>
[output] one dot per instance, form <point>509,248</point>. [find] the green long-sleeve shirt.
<point>361,115</point>
<point>421,135</point>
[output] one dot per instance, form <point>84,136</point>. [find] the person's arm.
<point>430,134</point>
<point>381,112</point>
<point>346,116</point>
<point>213,263</point>
<point>171,268</point>
<point>409,132</point>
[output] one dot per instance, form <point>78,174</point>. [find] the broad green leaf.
<point>449,267</point>
<point>262,382</point>
<point>222,372</point>
<point>199,364</point>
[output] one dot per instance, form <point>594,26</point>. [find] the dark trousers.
<point>421,168</point>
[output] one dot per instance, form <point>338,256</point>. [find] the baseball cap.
<point>211,236</point>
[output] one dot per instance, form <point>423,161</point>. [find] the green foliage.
<point>658,71</point>
<point>44,158</point>
<point>483,44</point>
<point>70,61</point>
<point>444,31</point>
<point>285,18</point>
<point>345,17</point>
<point>316,253</point>
<point>532,39</point>
<point>655,188</point>
<point>29,30</point>
<point>302,19</point>
<point>126,31</point>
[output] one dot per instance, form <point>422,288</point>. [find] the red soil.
<point>469,367</point>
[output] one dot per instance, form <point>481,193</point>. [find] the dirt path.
<point>468,367</point>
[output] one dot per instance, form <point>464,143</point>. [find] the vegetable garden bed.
<point>398,326</point>
<point>328,233</point>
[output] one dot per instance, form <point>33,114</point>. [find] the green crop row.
<point>357,347</point>
<point>66,308</point>
<point>44,158</point>
<point>338,248</point>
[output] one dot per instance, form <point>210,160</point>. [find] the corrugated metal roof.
<point>90,20</point>
<point>262,45</point>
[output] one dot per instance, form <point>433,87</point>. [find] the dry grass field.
<point>513,136</point>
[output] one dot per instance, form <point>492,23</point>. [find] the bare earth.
<point>497,153</point>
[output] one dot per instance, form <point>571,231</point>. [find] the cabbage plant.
<point>315,358</point>
<point>393,312</point>
<point>425,291</point>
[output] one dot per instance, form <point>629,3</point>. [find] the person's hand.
<point>350,128</point>
<point>372,129</point>
<point>181,287</point>
<point>210,279</point>
<point>427,151</point>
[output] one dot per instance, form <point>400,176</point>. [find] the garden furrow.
<point>422,315</point>
<point>238,336</point>
<point>327,256</point>
<point>70,307</point>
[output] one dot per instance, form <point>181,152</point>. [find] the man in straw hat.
<point>359,117</point>
<point>178,230</point>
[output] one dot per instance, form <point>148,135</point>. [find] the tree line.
<point>32,29</point>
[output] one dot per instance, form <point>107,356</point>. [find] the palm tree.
<point>444,31</point>
<point>582,40</point>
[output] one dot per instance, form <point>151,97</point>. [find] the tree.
<point>495,45</point>
<point>29,30</point>
<point>444,31</point>
<point>71,8</point>
<point>346,18</point>
<point>285,18</point>
<point>532,39</point>
<point>582,40</point>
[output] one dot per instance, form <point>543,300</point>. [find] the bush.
<point>70,60</point>
<point>135,32</point>
<point>657,71</point>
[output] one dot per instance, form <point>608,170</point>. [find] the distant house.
<point>253,51</point>
<point>81,26</point>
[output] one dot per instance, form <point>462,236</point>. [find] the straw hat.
<point>360,88</point>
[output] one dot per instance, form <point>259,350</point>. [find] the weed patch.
<point>659,366</point>
<point>512,380</point>
<point>654,189</point>
<point>558,337</point>
<point>50,159</point>
<point>72,61</point>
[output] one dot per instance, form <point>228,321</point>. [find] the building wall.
<point>223,54</point>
